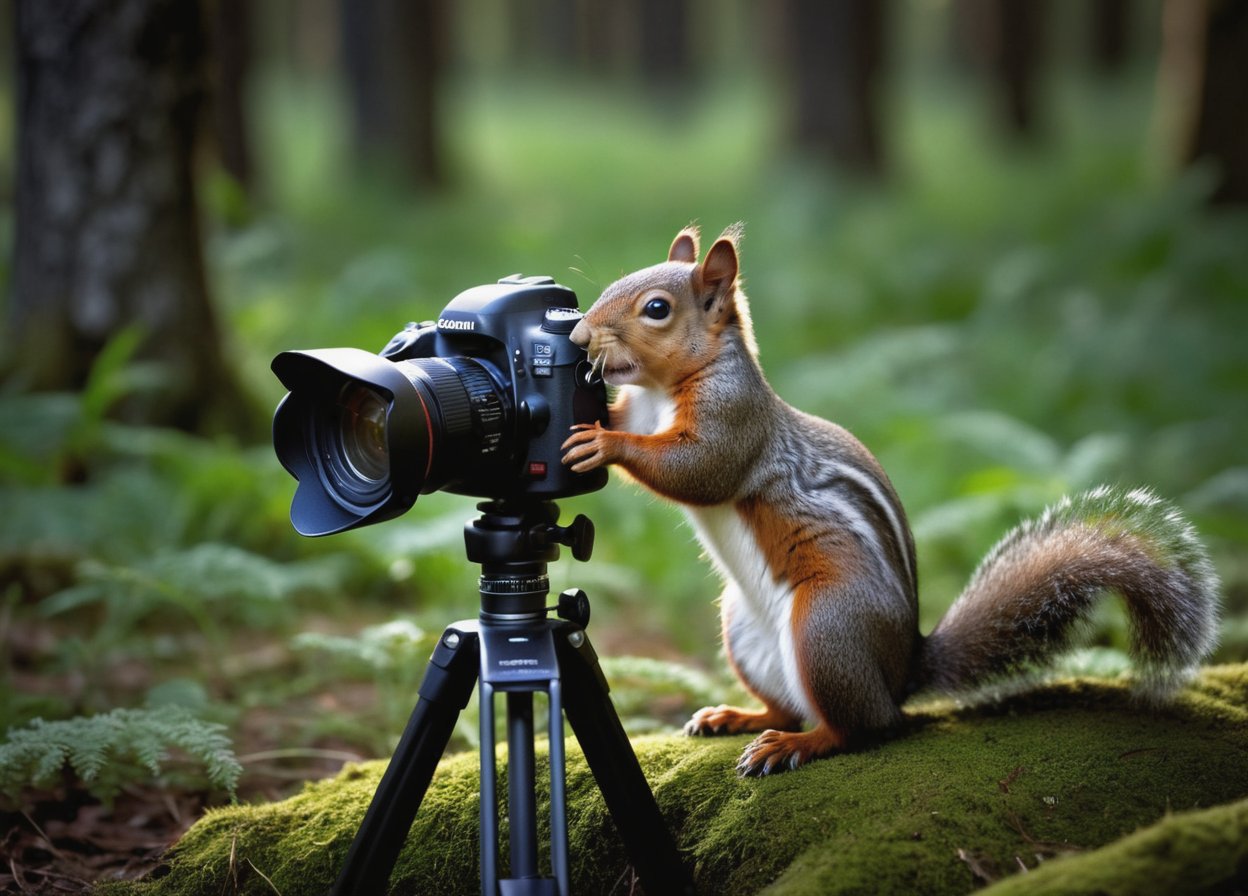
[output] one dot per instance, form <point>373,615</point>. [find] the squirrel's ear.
<point>719,272</point>
<point>685,246</point>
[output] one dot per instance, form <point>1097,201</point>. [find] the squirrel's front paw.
<point>587,448</point>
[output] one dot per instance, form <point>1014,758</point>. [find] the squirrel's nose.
<point>581,334</point>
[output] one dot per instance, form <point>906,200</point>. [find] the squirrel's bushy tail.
<point>1030,594</point>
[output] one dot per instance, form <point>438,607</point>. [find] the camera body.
<point>477,403</point>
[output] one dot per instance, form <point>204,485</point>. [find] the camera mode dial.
<point>561,320</point>
<point>522,280</point>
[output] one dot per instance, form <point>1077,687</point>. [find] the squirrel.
<point>819,611</point>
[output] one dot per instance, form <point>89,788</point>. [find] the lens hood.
<point>305,438</point>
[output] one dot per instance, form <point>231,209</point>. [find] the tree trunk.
<point>1004,39</point>
<point>665,46</point>
<point>110,93</point>
<point>838,53</point>
<point>1205,43</point>
<point>1110,33</point>
<point>232,53</point>
<point>392,50</point>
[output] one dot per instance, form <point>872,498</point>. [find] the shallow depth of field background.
<point>1003,316</point>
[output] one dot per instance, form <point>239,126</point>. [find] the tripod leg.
<point>616,770</point>
<point>444,692</point>
<point>489,795</point>
<point>558,792</point>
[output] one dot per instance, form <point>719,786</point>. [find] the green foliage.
<point>46,436</point>
<point>1001,328</point>
<point>109,751</point>
<point>392,656</point>
<point>213,584</point>
<point>398,646</point>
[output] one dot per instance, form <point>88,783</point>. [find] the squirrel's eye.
<point>657,309</point>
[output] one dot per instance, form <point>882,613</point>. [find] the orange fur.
<point>798,550</point>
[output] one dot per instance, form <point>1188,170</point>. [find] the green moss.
<point>1190,852</point>
<point>966,795</point>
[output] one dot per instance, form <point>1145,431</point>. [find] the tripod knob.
<point>579,537</point>
<point>574,606</point>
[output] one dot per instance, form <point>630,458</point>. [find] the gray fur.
<point>1038,585</point>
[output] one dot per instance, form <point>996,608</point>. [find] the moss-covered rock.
<point>1073,777</point>
<point>1190,852</point>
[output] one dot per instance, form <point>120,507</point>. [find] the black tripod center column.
<point>518,658</point>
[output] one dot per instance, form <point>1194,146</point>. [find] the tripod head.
<point>513,540</point>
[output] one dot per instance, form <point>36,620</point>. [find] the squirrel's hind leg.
<point>846,679</point>
<point>753,656</point>
<point>775,751</point>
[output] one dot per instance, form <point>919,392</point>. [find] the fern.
<point>43,434</point>
<point>392,656</point>
<point>109,751</point>
<point>390,650</point>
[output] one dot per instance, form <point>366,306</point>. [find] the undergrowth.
<point>1051,322</point>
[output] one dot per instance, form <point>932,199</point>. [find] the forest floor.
<point>65,840</point>
<point>64,843</point>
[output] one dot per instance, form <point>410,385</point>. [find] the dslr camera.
<point>477,403</point>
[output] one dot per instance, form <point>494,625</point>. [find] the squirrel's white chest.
<point>736,554</point>
<point>648,410</point>
<point>756,609</point>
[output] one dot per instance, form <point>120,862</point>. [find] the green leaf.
<point>107,751</point>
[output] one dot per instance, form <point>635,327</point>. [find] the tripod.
<point>514,647</point>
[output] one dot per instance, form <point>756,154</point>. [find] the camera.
<point>477,403</point>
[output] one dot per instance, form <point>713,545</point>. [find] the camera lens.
<point>362,432</point>
<point>349,437</point>
<point>364,435</point>
<point>469,419</point>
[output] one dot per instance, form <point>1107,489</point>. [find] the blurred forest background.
<point>1004,242</point>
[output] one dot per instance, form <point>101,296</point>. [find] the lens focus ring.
<point>468,418</point>
<point>452,398</point>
